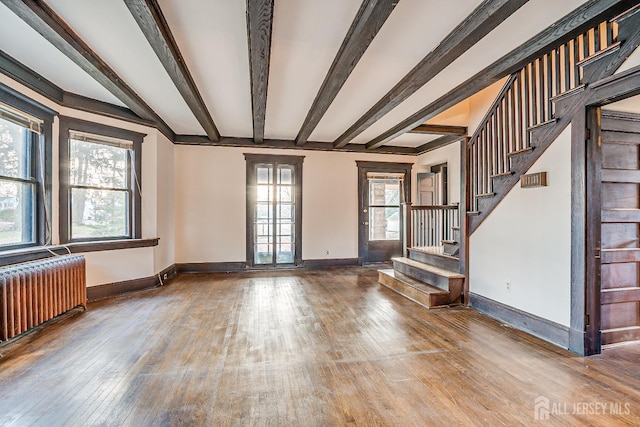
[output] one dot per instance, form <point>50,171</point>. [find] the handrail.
<point>428,225</point>
<point>434,207</point>
<point>525,102</point>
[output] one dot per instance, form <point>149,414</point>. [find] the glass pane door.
<point>274,223</point>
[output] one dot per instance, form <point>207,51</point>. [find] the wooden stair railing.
<point>431,225</point>
<point>527,102</point>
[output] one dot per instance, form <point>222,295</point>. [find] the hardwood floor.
<point>302,348</point>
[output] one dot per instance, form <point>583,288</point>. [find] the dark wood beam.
<point>368,21</point>
<point>615,88</point>
<point>153,24</point>
<point>437,143</point>
<point>575,23</point>
<point>439,130</point>
<point>259,23</point>
<point>479,23</point>
<point>289,144</point>
<point>46,22</point>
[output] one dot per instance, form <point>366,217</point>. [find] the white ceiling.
<point>212,37</point>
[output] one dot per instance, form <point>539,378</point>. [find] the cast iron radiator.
<point>35,292</point>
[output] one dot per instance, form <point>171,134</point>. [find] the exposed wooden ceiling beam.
<point>46,22</point>
<point>368,21</point>
<point>259,24</point>
<point>437,143</point>
<point>289,144</point>
<point>439,129</point>
<point>479,23</point>
<point>578,21</point>
<point>153,24</point>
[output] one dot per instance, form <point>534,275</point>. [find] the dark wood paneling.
<point>151,21</point>
<point>620,335</point>
<point>488,15</point>
<point>575,23</point>
<point>368,21</point>
<point>622,215</point>
<point>622,274</point>
<point>619,235</point>
<point>620,315</point>
<point>623,176</point>
<point>620,156</point>
<point>620,137</point>
<point>621,255</point>
<point>46,22</point>
<point>530,323</point>
<point>620,195</point>
<point>614,296</point>
<point>259,24</point>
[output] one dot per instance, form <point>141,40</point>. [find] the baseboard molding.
<point>542,328</point>
<point>326,263</point>
<point>110,290</point>
<point>210,267</point>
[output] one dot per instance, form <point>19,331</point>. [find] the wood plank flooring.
<point>301,348</point>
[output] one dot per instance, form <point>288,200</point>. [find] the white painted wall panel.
<point>526,242</point>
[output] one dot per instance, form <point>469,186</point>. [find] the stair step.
<point>473,213</point>
<point>485,195</point>
<point>421,293</point>
<point>521,151</point>
<point>436,258</point>
<point>416,291</point>
<point>500,175</point>
<point>450,242</point>
<point>447,280</point>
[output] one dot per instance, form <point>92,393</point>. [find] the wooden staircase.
<point>426,284</point>
<point>536,104</point>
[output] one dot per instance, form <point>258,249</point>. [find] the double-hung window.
<point>23,169</point>
<point>100,182</point>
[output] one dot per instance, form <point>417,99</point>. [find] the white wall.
<point>210,202</point>
<point>157,199</point>
<point>526,242</point>
<point>449,154</point>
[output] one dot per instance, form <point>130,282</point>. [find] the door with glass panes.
<point>274,210</point>
<point>383,188</point>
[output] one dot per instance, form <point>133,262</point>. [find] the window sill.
<point>34,253</point>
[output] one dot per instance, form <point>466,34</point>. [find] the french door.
<point>274,208</point>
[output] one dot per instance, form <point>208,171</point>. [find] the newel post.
<point>406,243</point>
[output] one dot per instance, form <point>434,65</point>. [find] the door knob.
<point>365,223</point>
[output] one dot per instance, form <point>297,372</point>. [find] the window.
<point>99,182</point>
<point>384,208</point>
<point>25,140</point>
<point>274,207</point>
